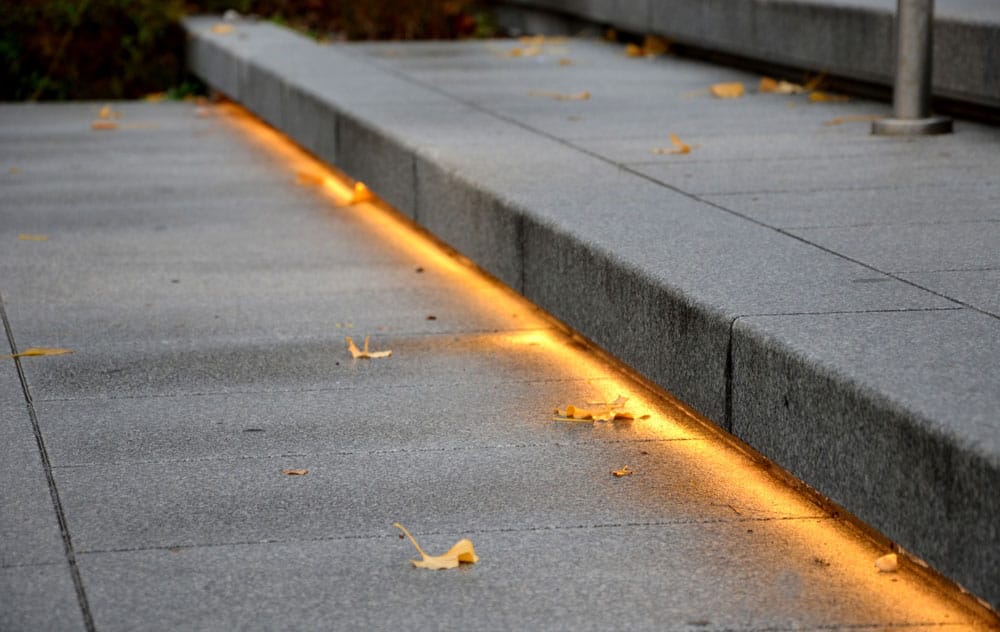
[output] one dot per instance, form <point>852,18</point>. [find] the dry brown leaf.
<point>600,411</point>
<point>887,563</point>
<point>365,354</point>
<point>295,472</point>
<point>565,61</point>
<point>775,86</point>
<point>815,82</point>
<point>854,118</point>
<point>30,237</point>
<point>732,90</point>
<point>361,193</point>
<point>680,147</point>
<point>102,124</point>
<point>825,97</point>
<point>633,50</point>
<point>560,96</point>
<point>37,351</point>
<point>222,29</point>
<point>462,551</point>
<point>624,471</point>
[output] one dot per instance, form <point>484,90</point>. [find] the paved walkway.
<point>827,296</point>
<point>205,280</point>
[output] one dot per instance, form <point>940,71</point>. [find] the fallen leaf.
<point>815,82</point>
<point>361,193</point>
<point>295,472</point>
<point>462,551</point>
<point>775,86</point>
<point>222,29</point>
<point>601,411</point>
<point>732,90</point>
<point>102,124</point>
<point>680,147</point>
<point>624,471</point>
<point>37,351</point>
<point>30,237</point>
<point>559,96</point>
<point>155,97</point>
<point>825,97</point>
<point>887,563</point>
<point>633,50</point>
<point>565,61</point>
<point>432,317</point>
<point>107,112</point>
<point>853,118</point>
<point>365,354</point>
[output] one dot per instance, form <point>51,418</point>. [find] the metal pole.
<point>911,97</point>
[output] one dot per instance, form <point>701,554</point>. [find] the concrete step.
<point>849,38</point>
<point>827,296</point>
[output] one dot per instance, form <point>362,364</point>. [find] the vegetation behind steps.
<point>111,49</point>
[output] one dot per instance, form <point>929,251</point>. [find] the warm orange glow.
<point>722,474</point>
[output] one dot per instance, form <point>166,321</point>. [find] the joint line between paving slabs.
<point>81,594</point>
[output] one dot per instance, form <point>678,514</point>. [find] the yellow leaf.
<point>624,471</point>
<point>38,351</point>
<point>774,86</point>
<point>155,97</point>
<point>365,354</point>
<point>222,29</point>
<point>680,147</point>
<point>102,124</point>
<point>733,90</point>
<point>295,472</point>
<point>826,97</point>
<point>854,118</point>
<point>559,96</point>
<point>633,50</point>
<point>600,411</point>
<point>29,237</point>
<point>462,551</point>
<point>887,563</point>
<point>360,194</point>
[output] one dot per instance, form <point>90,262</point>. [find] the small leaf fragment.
<point>732,90</point>
<point>37,351</point>
<point>365,354</point>
<point>565,61</point>
<point>887,563</point>
<point>775,86</point>
<point>633,50</point>
<point>155,97</point>
<point>826,97</point>
<point>654,45</point>
<point>679,147</point>
<point>30,237</point>
<point>222,29</point>
<point>295,472</point>
<point>462,551</point>
<point>623,471</point>
<point>103,125</point>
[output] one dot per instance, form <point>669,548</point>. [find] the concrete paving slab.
<point>910,248</point>
<point>29,530</point>
<point>252,365</point>
<point>38,598</point>
<point>655,586</point>
<point>979,289</point>
<point>910,205</point>
<point>164,504</point>
<point>949,466</point>
<point>186,428</point>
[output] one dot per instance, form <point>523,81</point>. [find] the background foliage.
<point>110,49</point>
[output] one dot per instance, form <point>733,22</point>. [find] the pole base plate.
<point>912,127</point>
